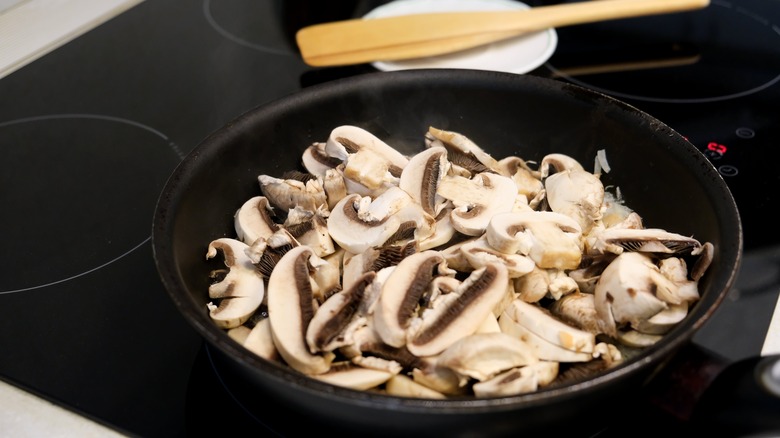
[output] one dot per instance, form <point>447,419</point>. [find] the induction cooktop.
<point>90,132</point>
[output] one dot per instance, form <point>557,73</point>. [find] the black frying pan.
<point>662,176</point>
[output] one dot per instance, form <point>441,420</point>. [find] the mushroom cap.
<point>290,311</point>
<point>460,312</point>
<point>552,240</point>
<point>241,291</point>
<point>477,200</point>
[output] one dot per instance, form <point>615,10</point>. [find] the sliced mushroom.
<point>550,239</point>
<point>402,386</point>
<point>579,310</point>
<point>532,286</point>
<point>560,284</point>
<point>401,294</point>
<point>528,181</point>
<point>358,223</point>
<point>519,380</point>
<point>628,291</point>
<point>663,321</point>
<point>460,312</point>
<point>462,150</point>
<point>421,177</point>
<point>441,379</point>
<point>348,139</point>
<point>369,350</point>
<point>335,186</point>
<point>578,194</point>
<point>336,319</point>
<point>265,253</point>
<point>316,161</point>
<point>544,324</point>
<point>544,349</point>
<point>477,200</point>
<point>374,259</point>
<point>311,228</point>
<point>291,309</point>
<point>489,325</point>
<point>479,253</point>
<point>483,355</point>
<point>349,375</point>
<point>616,240</point>
<point>242,289</point>
<point>254,219</point>
<point>370,170</point>
<point>286,194</point>
<point>556,162</point>
<point>443,231</point>
<point>589,272</point>
<point>239,334</point>
<point>676,270</point>
<point>260,341</point>
<point>637,339</point>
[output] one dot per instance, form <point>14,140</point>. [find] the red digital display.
<point>717,148</point>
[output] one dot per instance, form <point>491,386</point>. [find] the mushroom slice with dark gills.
<point>375,259</point>
<point>477,199</point>
<point>633,289</point>
<point>316,161</point>
<point>481,356</point>
<point>443,231</point>
<point>254,219</point>
<point>552,163</point>
<point>460,312</point>
<point>617,240</point>
<point>462,151</point>
<point>519,380</point>
<point>402,291</point>
<point>421,177</point>
<point>337,318</point>
<point>579,310</point>
<point>358,222</point>
<point>552,240</point>
<point>241,291</point>
<point>311,228</point>
<point>578,194</point>
<point>528,181</point>
<point>288,193</point>
<point>347,139</point>
<point>291,309</point>
<point>266,252</point>
<point>479,253</point>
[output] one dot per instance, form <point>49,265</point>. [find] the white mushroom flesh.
<point>448,272</point>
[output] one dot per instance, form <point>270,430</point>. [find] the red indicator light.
<point>716,147</point>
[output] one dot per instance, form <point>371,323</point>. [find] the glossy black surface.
<point>90,132</point>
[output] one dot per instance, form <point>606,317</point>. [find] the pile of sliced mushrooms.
<point>448,273</point>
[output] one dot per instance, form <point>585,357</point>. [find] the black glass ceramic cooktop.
<point>90,132</point>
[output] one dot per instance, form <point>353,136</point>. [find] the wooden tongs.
<point>359,40</point>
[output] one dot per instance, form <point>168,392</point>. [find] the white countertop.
<point>25,415</point>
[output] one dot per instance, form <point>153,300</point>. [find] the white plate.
<point>516,55</point>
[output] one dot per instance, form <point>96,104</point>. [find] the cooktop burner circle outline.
<point>236,39</point>
<point>773,28</point>
<point>133,247</point>
<point>236,398</point>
